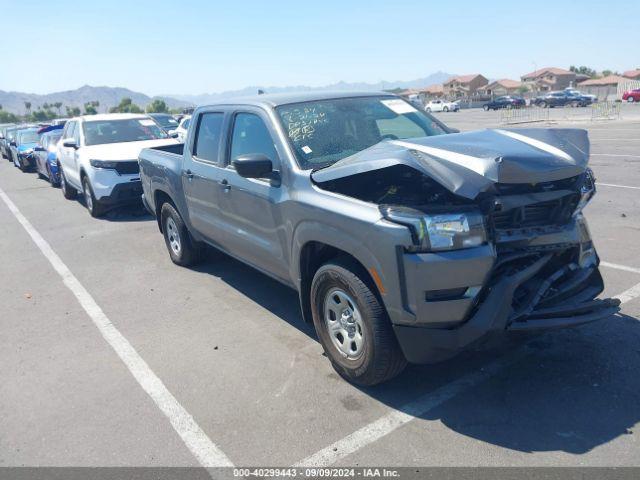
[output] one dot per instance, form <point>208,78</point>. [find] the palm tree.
<point>27,106</point>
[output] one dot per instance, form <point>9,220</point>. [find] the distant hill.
<point>111,96</point>
<point>206,98</point>
<point>107,96</point>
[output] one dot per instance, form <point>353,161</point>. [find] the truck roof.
<point>276,99</point>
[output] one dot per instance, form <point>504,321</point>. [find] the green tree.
<point>126,106</point>
<point>58,106</point>
<point>27,107</point>
<point>91,108</point>
<point>73,111</point>
<point>522,89</point>
<point>42,115</point>
<point>583,70</point>
<point>8,117</point>
<point>157,106</point>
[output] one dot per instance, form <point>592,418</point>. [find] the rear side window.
<point>250,135</point>
<point>208,136</point>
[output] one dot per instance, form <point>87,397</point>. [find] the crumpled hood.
<point>472,162</point>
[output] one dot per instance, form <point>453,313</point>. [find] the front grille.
<point>128,168</point>
<point>553,212</point>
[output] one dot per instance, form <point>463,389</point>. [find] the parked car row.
<point>406,240</point>
<point>564,98</point>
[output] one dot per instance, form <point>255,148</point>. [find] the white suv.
<point>98,155</point>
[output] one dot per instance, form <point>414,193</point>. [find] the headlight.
<point>587,191</point>
<point>28,151</point>
<point>440,231</point>
<point>103,164</point>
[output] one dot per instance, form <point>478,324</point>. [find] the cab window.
<point>250,135</point>
<point>208,135</point>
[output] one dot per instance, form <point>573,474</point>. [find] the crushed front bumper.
<point>526,289</point>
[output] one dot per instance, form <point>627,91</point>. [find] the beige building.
<point>548,79</point>
<point>464,85</point>
<point>607,88</point>
<point>501,87</point>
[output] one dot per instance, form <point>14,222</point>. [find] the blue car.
<point>23,148</point>
<point>45,154</point>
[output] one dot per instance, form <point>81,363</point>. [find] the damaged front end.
<point>499,242</point>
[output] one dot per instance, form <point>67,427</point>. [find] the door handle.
<point>225,185</point>
<point>189,174</point>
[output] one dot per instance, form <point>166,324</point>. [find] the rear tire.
<point>355,331</point>
<point>95,208</point>
<point>630,100</point>
<point>182,249</point>
<point>67,190</point>
<point>486,108</point>
<point>445,109</point>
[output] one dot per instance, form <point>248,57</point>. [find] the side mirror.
<point>38,148</point>
<point>173,134</point>
<point>253,165</point>
<point>13,143</point>
<point>70,143</point>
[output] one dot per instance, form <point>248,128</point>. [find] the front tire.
<point>182,249</point>
<point>630,100</point>
<point>67,190</point>
<point>445,109</point>
<point>95,208</point>
<point>486,108</point>
<point>353,326</point>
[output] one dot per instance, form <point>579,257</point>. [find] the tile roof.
<point>610,80</point>
<point>504,82</point>
<point>462,78</point>
<point>541,71</point>
<point>635,74</point>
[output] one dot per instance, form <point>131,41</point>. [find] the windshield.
<point>166,121</point>
<point>29,136</point>
<point>118,131</point>
<point>325,131</point>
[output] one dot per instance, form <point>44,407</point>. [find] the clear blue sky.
<point>208,46</point>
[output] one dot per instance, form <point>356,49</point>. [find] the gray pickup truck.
<point>406,241</point>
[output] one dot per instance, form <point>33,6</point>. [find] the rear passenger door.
<point>202,174</point>
<point>68,155</point>
<point>251,206</point>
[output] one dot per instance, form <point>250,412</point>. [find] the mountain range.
<point>110,96</point>
<point>205,98</point>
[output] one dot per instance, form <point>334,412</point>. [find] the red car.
<point>632,95</point>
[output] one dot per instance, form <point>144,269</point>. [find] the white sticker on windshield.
<point>306,150</point>
<point>147,123</point>
<point>398,106</point>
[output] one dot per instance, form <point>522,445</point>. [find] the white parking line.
<point>397,418</point>
<point>614,185</point>
<point>207,453</point>
<point>614,155</point>
<point>620,267</point>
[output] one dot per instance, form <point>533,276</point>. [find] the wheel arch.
<point>315,253</point>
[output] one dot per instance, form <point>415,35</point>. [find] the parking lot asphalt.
<point>228,344</point>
